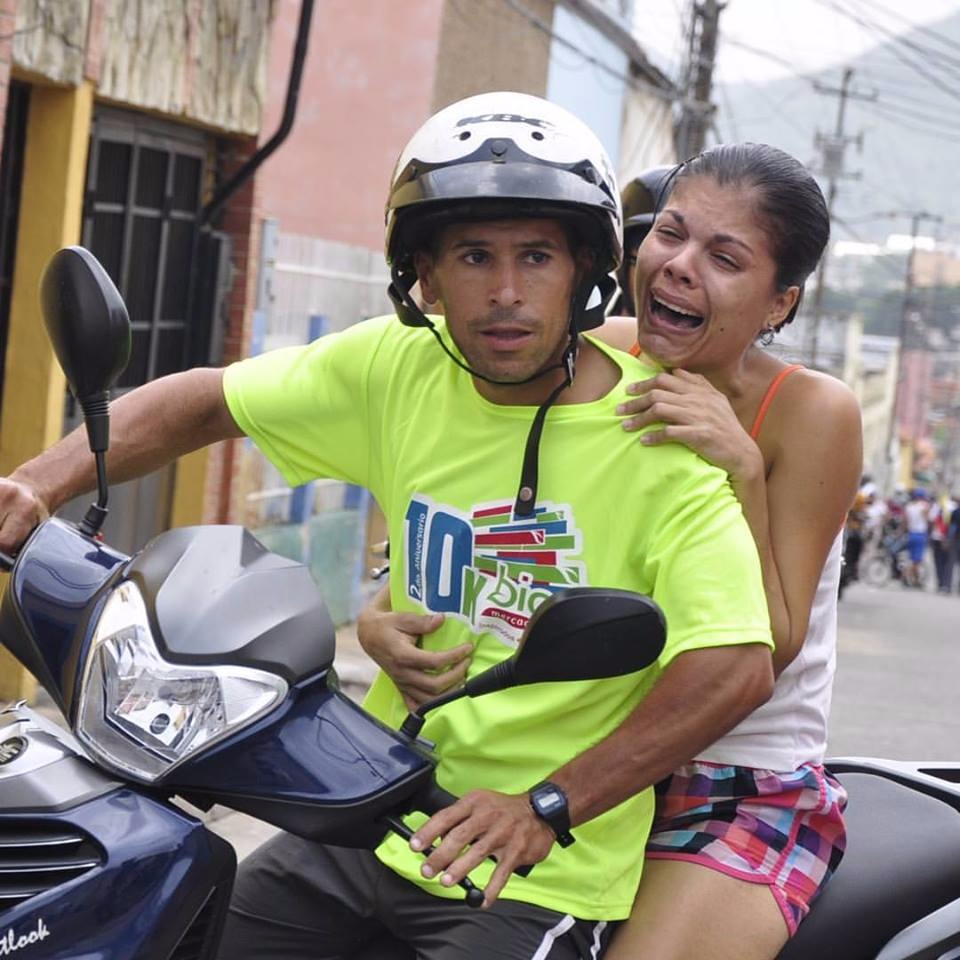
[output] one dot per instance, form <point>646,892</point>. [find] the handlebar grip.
<point>433,798</point>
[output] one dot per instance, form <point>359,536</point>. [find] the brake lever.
<point>474,895</point>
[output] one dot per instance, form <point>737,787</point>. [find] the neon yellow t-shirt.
<point>380,405</point>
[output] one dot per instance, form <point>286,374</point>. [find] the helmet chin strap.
<point>526,499</point>
<point>411,314</point>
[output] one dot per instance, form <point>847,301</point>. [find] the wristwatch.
<point>549,803</point>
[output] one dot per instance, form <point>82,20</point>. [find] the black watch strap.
<point>549,803</point>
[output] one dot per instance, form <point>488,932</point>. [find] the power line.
<point>887,114</point>
<point>893,46</point>
<point>919,28</point>
<point>766,55</point>
<point>637,83</point>
<point>908,113</point>
<point>952,63</point>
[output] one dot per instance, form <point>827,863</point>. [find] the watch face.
<point>548,800</point>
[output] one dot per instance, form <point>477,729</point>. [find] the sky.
<point>807,34</point>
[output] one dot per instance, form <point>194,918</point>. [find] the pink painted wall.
<point>913,406</point>
<point>367,85</point>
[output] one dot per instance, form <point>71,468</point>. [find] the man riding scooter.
<point>500,481</point>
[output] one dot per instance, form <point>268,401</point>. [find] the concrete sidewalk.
<point>355,670</point>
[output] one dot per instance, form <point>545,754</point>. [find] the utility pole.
<point>832,149</point>
<point>696,113</point>
<point>908,322</point>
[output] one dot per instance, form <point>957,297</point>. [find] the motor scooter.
<point>201,668</point>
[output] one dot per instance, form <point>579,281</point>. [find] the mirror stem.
<point>414,723</point>
<point>96,414</point>
<point>97,512</point>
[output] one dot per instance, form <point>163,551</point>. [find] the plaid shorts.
<point>782,829</point>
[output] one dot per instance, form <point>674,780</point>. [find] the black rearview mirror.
<point>86,321</point>
<point>585,633</point>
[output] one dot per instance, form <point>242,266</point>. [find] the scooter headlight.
<point>142,714</point>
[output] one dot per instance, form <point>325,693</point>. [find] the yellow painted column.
<point>188,489</point>
<point>51,210</point>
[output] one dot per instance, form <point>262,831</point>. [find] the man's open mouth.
<point>506,338</point>
<point>673,315</point>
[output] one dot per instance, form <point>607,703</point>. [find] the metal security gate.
<point>143,195</point>
<point>143,192</point>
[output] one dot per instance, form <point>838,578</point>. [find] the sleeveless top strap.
<point>635,351</point>
<point>769,395</point>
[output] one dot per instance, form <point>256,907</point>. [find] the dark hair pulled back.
<point>788,200</point>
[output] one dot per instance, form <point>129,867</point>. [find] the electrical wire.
<point>894,43</point>
<point>949,61</point>
<point>886,113</point>
<point>635,82</point>
<point>920,28</point>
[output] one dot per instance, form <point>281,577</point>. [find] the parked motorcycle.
<point>202,668</point>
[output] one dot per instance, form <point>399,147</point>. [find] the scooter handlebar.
<point>434,798</point>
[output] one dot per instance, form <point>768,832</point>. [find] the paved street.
<point>896,693</point>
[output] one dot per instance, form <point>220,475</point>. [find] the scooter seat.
<point>902,863</point>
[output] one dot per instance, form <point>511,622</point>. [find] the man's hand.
<point>393,640</point>
<point>479,825</point>
<point>21,509</point>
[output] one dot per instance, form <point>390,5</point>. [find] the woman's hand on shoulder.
<point>688,409</point>
<point>393,641</point>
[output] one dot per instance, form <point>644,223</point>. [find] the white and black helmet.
<point>499,155</point>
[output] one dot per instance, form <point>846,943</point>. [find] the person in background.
<point>854,536</point>
<point>916,515</point>
<point>876,515</point>
<point>939,517</point>
<point>953,538</point>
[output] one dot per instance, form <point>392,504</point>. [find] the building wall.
<point>199,60</point>
<point>7,27</point>
<point>51,38</point>
<point>590,79</point>
<point>647,136</point>
<point>936,268</point>
<point>490,45</point>
<point>367,85</point>
<point>913,402</point>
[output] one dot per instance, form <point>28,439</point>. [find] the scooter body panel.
<point>320,767</point>
<point>92,868</point>
<point>51,599</point>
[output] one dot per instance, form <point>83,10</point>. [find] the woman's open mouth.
<point>673,315</point>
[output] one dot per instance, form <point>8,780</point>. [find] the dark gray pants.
<point>297,900</point>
